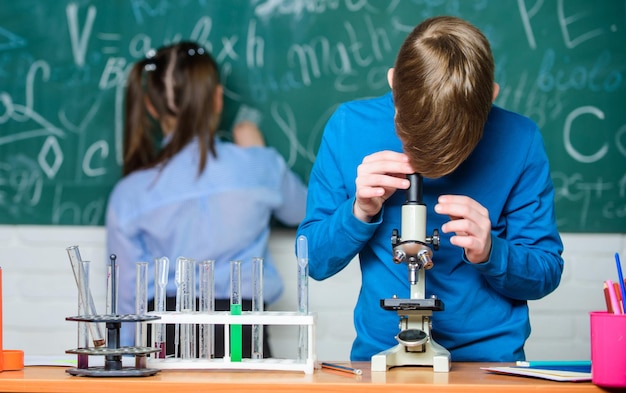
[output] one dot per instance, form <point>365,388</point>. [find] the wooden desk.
<point>464,377</point>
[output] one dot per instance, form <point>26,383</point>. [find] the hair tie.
<point>193,52</point>
<point>150,63</point>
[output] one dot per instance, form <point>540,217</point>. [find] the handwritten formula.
<point>63,67</point>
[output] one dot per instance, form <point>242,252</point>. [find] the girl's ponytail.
<point>138,149</point>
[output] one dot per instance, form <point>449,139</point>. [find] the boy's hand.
<point>378,176</point>
<point>247,134</point>
<point>470,222</point>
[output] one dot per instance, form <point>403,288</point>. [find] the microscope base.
<point>434,355</point>
<point>416,346</point>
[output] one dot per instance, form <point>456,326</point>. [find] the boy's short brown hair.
<point>442,91</point>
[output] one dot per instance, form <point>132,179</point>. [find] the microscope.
<point>415,347</point>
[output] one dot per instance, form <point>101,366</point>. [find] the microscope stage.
<point>412,304</point>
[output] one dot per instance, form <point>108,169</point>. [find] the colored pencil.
<point>621,281</point>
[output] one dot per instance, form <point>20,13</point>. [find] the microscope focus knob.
<point>395,237</point>
<point>434,239</point>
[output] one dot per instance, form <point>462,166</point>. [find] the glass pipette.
<point>161,273</point>
<point>302,254</point>
<point>257,306</point>
<point>89,307</point>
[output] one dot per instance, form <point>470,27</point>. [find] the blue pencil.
<point>553,363</point>
<point>621,280</point>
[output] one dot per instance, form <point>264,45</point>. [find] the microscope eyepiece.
<point>414,192</point>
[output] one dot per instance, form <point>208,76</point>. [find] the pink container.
<point>608,349</point>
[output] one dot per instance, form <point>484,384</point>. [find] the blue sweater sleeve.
<point>335,236</point>
<point>525,261</point>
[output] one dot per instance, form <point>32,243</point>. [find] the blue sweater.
<point>486,311</point>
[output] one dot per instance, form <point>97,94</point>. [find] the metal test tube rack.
<point>112,351</point>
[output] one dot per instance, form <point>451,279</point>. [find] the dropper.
<point>302,254</point>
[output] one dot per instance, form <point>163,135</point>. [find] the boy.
<point>486,175</point>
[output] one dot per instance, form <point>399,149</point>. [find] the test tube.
<point>302,254</point>
<point>89,307</point>
<point>186,302</point>
<point>257,306</point>
<point>206,273</point>
<point>161,273</point>
<point>113,274</point>
<point>178,279</point>
<point>112,362</point>
<point>141,298</point>
<point>235,309</point>
<point>83,290</point>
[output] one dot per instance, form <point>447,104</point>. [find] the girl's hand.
<point>247,134</point>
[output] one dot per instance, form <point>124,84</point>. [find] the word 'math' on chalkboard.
<point>63,66</point>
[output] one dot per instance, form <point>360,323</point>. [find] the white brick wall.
<point>39,292</point>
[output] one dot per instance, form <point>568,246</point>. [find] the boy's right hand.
<point>378,176</point>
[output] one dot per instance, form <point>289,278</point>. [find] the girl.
<point>186,193</point>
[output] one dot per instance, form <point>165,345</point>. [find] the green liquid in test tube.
<point>235,309</point>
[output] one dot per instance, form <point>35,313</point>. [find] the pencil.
<point>345,369</point>
<point>617,309</point>
<point>621,281</point>
<point>553,363</point>
<point>607,297</point>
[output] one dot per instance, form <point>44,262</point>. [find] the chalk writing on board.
<point>62,77</point>
<point>589,192</point>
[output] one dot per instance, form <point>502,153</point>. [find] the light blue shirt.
<point>222,214</point>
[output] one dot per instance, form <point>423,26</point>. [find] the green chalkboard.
<point>63,66</point>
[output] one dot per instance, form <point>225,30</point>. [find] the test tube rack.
<point>113,352</point>
<point>246,318</point>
